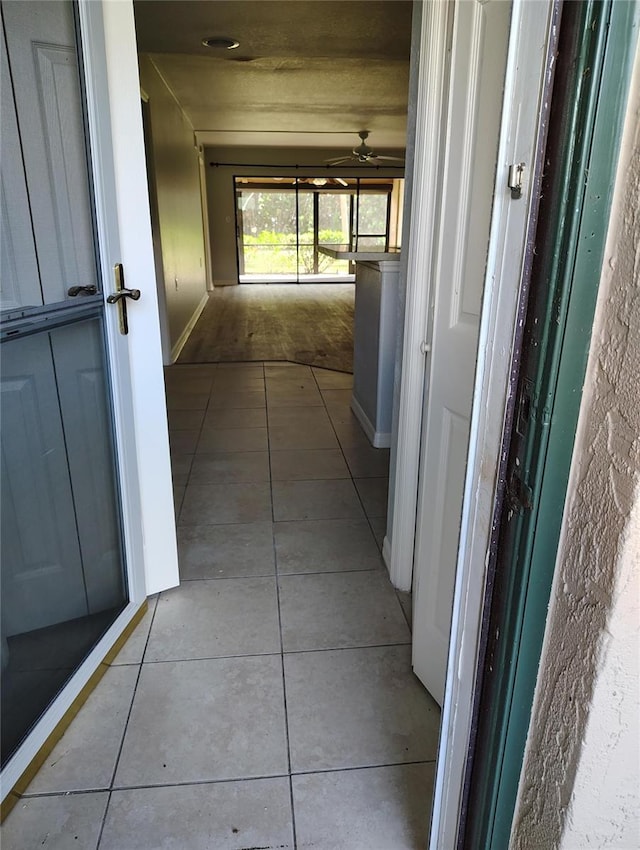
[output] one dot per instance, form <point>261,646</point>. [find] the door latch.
<point>120,296</point>
<point>515,180</point>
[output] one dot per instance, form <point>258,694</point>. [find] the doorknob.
<point>133,294</point>
<point>120,296</point>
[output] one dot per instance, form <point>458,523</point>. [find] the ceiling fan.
<point>364,154</point>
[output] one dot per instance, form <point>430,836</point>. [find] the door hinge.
<point>515,180</point>
<point>425,348</point>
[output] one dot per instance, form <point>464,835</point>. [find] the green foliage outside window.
<point>270,252</point>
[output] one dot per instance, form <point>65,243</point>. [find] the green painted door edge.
<point>609,37</point>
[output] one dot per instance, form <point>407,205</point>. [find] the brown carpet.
<point>303,323</point>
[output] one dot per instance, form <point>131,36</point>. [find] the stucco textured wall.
<point>580,782</point>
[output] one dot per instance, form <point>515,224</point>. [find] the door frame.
<point>140,420</point>
<point>530,35</point>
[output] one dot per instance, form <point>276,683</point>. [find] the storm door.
<point>63,571</point>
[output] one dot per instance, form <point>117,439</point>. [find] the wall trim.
<point>424,220</point>
<point>378,439</point>
<point>184,336</point>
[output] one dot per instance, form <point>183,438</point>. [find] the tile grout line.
<point>126,726</point>
<point>333,427</point>
<point>273,654</point>
<point>270,575</point>
<point>199,782</point>
<point>193,457</point>
<point>284,683</point>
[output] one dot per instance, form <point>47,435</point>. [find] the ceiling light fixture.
<point>220,42</point>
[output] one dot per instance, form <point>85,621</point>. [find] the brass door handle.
<point>120,296</point>
<point>133,294</point>
<point>82,290</point>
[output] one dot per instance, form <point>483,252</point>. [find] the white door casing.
<point>530,64</point>
<point>114,104</point>
<point>478,62</point>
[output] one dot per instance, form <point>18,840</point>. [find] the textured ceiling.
<point>312,72</point>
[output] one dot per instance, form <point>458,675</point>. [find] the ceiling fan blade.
<point>339,160</point>
<point>390,158</point>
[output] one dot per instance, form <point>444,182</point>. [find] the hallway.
<point>269,700</point>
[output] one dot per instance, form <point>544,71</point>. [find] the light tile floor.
<point>269,700</point>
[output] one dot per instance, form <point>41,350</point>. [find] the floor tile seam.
<point>330,517</point>
<point>356,648</point>
<point>233,427</point>
<point>333,572</point>
<point>233,387</point>
<point>277,654</point>
<point>229,578</point>
<point>293,812</point>
<point>217,524</point>
<point>284,695</point>
<point>79,792</point>
<point>193,455</point>
<point>103,821</point>
<point>344,457</point>
<point>307,480</point>
<point>157,661</point>
<point>151,786</point>
<point>196,454</point>
<point>273,480</point>
<point>279,608</point>
<point>133,696</point>
<point>244,407</point>
<point>284,683</point>
<point>227,483</point>
<point>351,769</point>
<point>76,792</point>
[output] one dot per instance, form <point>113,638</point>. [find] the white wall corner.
<point>580,781</point>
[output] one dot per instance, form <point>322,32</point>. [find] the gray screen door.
<point>63,576</point>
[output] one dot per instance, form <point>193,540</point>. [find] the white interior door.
<point>478,63</point>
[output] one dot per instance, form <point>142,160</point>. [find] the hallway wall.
<point>179,206</point>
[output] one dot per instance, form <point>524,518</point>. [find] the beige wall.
<point>221,199</point>
<point>179,204</point>
<point>580,781</point>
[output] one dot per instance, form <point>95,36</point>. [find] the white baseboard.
<point>184,336</point>
<point>378,439</point>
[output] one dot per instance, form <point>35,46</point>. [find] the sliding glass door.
<point>282,222</point>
